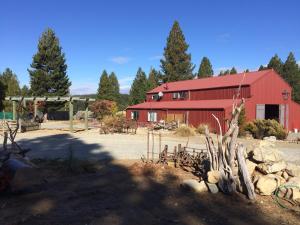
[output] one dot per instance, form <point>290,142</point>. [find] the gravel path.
<point>91,145</point>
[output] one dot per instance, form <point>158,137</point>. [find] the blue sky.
<point>120,35</point>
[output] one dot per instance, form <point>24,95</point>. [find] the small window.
<point>134,115</point>
<point>152,116</point>
<point>175,95</point>
<point>155,97</point>
<point>182,94</point>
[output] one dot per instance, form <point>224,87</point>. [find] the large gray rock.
<point>265,151</point>
<point>213,176</point>
<point>293,170</point>
<point>271,167</point>
<point>213,188</point>
<point>250,166</point>
<point>266,185</point>
<point>194,185</point>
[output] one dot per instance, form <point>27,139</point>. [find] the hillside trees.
<point>276,64</point>
<point>153,79</point>
<point>10,87</point>
<point>48,73</point>
<point>138,88</point>
<point>205,68</point>
<point>291,73</point>
<point>176,64</point>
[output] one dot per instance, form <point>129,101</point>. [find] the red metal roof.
<point>212,82</point>
<point>202,104</point>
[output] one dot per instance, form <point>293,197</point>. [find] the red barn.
<point>193,102</point>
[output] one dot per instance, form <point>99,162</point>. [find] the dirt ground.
<point>129,193</point>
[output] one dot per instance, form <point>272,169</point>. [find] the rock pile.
<point>271,171</point>
<point>268,170</point>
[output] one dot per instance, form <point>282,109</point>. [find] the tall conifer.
<point>205,69</point>
<point>176,64</point>
<point>138,88</point>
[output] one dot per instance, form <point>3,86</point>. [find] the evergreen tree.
<point>205,69</point>
<point>224,72</point>
<point>105,88</point>
<point>276,64</point>
<point>247,71</point>
<point>291,74</point>
<point>261,68</point>
<point>233,71</point>
<point>153,79</point>
<point>48,76</point>
<point>115,87</point>
<point>25,91</point>
<point>176,64</point>
<point>10,82</point>
<point>138,88</point>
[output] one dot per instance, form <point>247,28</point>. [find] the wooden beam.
<point>14,110</point>
<point>71,115</point>
<point>49,99</point>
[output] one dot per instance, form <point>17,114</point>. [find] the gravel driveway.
<point>91,145</point>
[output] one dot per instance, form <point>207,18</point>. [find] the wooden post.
<point>175,156</point>
<point>14,110</point>
<point>148,146</point>
<point>86,116</point>
<point>159,144</point>
<point>152,146</point>
<point>71,115</point>
<point>35,108</point>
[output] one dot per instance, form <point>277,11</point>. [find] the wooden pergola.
<point>35,100</point>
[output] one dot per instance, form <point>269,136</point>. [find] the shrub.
<point>102,108</point>
<point>184,131</point>
<point>242,122</point>
<point>201,128</point>
<point>263,128</point>
<point>117,124</point>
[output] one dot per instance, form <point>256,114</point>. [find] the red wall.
<point>206,94</point>
<point>267,90</point>
<point>221,93</point>
<point>194,117</point>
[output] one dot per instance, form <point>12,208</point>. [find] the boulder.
<point>250,166</point>
<point>293,170</point>
<point>270,138</point>
<point>285,175</point>
<point>266,152</point>
<point>213,188</point>
<point>266,185</point>
<point>194,185</point>
<point>213,176</point>
<point>271,167</point>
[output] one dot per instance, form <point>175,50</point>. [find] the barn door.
<point>260,111</point>
<point>281,114</point>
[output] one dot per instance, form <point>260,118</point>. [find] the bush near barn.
<point>264,128</point>
<point>102,108</point>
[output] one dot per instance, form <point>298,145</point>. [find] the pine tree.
<point>115,87</point>
<point>48,76</point>
<point>176,64</point>
<point>138,88</point>
<point>291,74</point>
<point>247,71</point>
<point>105,88</point>
<point>233,71</point>
<point>205,69</point>
<point>10,82</point>
<point>224,72</point>
<point>261,68</point>
<point>153,79</point>
<point>276,64</point>
<point>25,91</point>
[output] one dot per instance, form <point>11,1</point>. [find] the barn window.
<point>179,95</point>
<point>152,116</point>
<point>134,115</point>
<point>155,97</point>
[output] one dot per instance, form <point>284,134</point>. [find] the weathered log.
<point>245,173</point>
